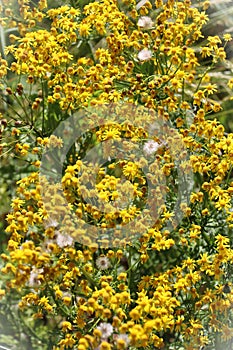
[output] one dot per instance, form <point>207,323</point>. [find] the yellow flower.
<point>130,170</point>
<point>227,37</point>
<point>66,326</point>
<point>84,29</point>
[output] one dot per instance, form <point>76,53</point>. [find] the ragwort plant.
<point>171,287</point>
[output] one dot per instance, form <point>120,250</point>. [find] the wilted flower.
<point>102,262</point>
<point>145,22</point>
<point>106,329</point>
<point>33,279</point>
<point>63,240</point>
<point>50,223</point>
<point>151,147</point>
<point>123,337</point>
<point>144,55</point>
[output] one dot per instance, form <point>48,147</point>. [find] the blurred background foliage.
<point>220,22</point>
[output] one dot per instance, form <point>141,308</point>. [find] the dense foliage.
<point>120,233</point>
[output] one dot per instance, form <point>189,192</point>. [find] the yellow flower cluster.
<point>109,74</point>
<point>163,277</point>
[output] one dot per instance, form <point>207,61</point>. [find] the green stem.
<point>204,74</point>
<point>229,174</point>
<point>94,325</point>
<point>89,278</point>
<point>29,329</point>
<point>43,106</point>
